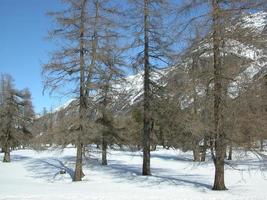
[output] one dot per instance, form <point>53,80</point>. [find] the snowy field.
<point>33,175</point>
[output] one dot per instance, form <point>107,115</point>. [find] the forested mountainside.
<point>246,58</point>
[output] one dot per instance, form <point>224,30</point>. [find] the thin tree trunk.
<point>219,138</point>
<point>225,153</point>
<point>153,147</point>
<point>261,145</point>
<point>196,154</point>
<point>78,175</point>
<point>94,48</point>
<point>230,153</point>
<point>104,150</point>
<point>161,138</point>
<point>203,150</point>
<point>147,120</point>
<point>196,151</point>
<point>82,109</point>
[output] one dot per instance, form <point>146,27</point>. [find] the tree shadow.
<point>184,157</point>
<point>178,180</point>
<point>15,158</point>
<point>248,164</point>
<point>173,157</point>
<point>49,169</point>
<point>132,173</point>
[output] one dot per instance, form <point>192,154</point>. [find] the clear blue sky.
<point>23,48</point>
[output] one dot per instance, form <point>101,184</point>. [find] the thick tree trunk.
<point>219,175</point>
<point>104,150</point>
<point>7,148</point>
<point>147,117</point>
<point>219,135</point>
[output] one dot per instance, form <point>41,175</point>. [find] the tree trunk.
<point>203,150</point>
<point>230,153</point>
<point>104,150</point>
<point>153,147</point>
<point>6,154</point>
<point>147,117</point>
<point>7,148</point>
<point>161,138</point>
<point>196,152</point>
<point>79,162</point>
<point>219,175</point>
<point>261,145</point>
<point>225,153</point>
<point>203,156</point>
<point>82,100</point>
<point>196,155</point>
<point>219,135</point>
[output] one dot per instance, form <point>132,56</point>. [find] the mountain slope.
<point>251,54</point>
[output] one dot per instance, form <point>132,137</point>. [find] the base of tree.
<point>146,174</point>
<point>104,163</point>
<point>219,188</point>
<point>6,158</point>
<point>78,178</point>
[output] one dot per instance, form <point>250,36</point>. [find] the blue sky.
<point>23,48</point>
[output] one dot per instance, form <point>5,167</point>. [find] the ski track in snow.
<point>35,176</point>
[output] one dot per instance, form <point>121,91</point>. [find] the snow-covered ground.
<point>33,175</point>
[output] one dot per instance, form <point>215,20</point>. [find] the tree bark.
<point>104,150</point>
<point>219,137</point>
<point>7,148</point>
<point>230,153</point>
<point>82,100</point>
<point>196,152</point>
<point>78,175</point>
<point>147,117</point>
<point>219,175</point>
<point>7,153</point>
<point>196,155</point>
<point>261,145</point>
<point>203,150</point>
